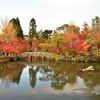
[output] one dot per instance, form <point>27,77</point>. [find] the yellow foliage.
<point>8,32</point>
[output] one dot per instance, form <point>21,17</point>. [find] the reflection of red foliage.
<point>11,70</point>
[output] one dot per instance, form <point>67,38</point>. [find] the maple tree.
<point>16,46</point>
<point>67,42</point>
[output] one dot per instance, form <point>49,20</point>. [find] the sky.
<point>50,14</point>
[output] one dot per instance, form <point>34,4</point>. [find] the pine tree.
<point>32,30</point>
<point>17,25</point>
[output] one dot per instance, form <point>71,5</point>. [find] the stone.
<point>90,68</point>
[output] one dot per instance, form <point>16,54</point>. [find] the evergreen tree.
<point>46,34</point>
<point>17,25</point>
<point>32,30</point>
<point>20,31</point>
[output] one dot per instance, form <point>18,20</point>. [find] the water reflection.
<point>32,75</point>
<point>10,73</point>
<point>61,78</point>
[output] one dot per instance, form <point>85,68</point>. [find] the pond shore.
<point>8,58</point>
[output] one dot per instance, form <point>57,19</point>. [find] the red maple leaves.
<point>15,46</point>
<point>74,43</point>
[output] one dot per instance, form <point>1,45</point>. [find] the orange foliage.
<point>70,36</point>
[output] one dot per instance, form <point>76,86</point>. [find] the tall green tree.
<point>32,30</point>
<point>16,23</point>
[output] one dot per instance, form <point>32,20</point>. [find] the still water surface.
<point>49,81</point>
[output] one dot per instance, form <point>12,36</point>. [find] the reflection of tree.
<point>58,81</point>
<point>46,73</point>
<point>93,79</point>
<point>12,77</point>
<point>71,78</point>
<point>72,70</point>
<point>63,74</point>
<point>93,82</point>
<point>11,72</point>
<point>15,78</point>
<point>58,74</point>
<point>32,75</point>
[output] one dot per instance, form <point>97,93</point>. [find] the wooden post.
<point>42,58</point>
<point>30,58</point>
<point>5,54</point>
<point>9,54</point>
<point>35,58</point>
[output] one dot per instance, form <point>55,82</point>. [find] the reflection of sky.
<point>70,89</point>
<point>43,89</point>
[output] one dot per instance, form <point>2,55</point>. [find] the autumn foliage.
<point>67,41</point>
<point>17,45</point>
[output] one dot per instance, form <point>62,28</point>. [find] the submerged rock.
<point>90,68</point>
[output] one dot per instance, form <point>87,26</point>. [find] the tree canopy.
<point>17,26</point>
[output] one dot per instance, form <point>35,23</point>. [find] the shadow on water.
<point>49,79</point>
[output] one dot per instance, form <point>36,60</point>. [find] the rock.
<point>90,68</point>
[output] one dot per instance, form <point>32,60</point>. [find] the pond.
<point>49,81</point>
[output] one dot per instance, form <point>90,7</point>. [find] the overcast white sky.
<point>49,14</point>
